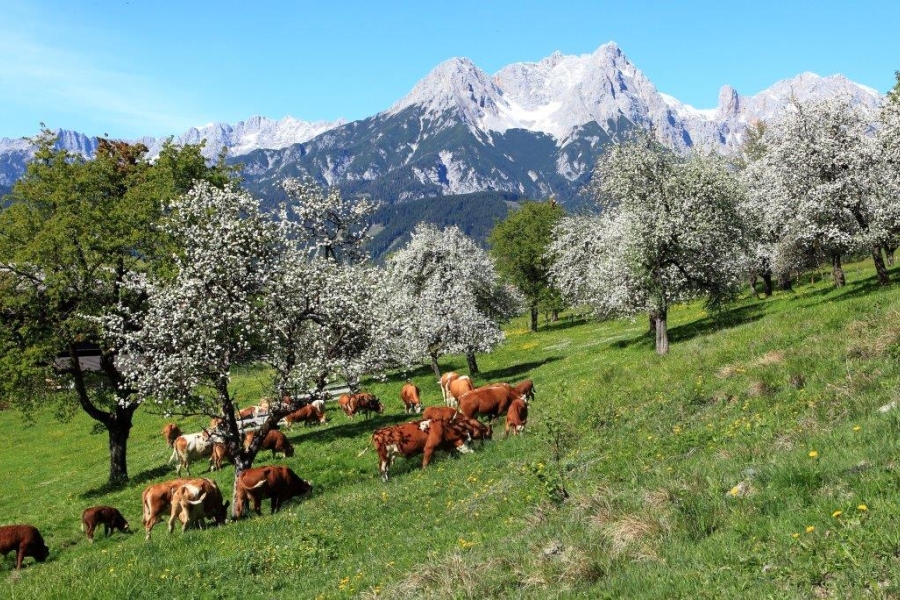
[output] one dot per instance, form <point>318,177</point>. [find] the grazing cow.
<point>418,437</point>
<point>444,382</point>
<point>278,483</point>
<point>195,502</point>
<point>458,387</point>
<point>157,498</point>
<point>219,455</point>
<point>525,388</point>
<point>439,412</point>
<point>344,404</point>
<point>474,427</point>
<point>363,402</point>
<point>111,518</point>
<point>26,540</point>
<point>490,400</point>
<point>409,394</point>
<point>274,441</point>
<point>190,448</point>
<point>247,413</point>
<point>516,417</point>
<point>171,432</point>
<point>320,404</point>
<point>309,415</point>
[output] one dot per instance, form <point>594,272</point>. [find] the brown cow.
<point>26,540</point>
<point>439,412</point>
<point>111,518</point>
<point>309,415</point>
<point>444,382</point>
<point>525,388</point>
<point>516,417</point>
<point>418,437</point>
<point>196,502</point>
<point>409,394</point>
<point>490,400</point>
<point>363,402</point>
<point>219,455</point>
<point>475,428</point>
<point>189,448</point>
<point>458,387</point>
<point>171,432</point>
<point>274,441</point>
<point>157,498</point>
<point>278,483</point>
<point>246,413</point>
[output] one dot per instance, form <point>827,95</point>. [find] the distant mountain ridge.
<point>532,129</point>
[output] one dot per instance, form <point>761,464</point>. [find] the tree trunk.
<point>662,334</point>
<point>652,319</point>
<point>534,318</point>
<point>473,364</point>
<point>837,272</point>
<point>784,282</point>
<point>118,428</point>
<point>883,277</point>
<point>435,367</point>
<point>889,250</point>
<point>767,282</point>
<point>554,315</point>
<point>753,278</point>
<point>240,465</point>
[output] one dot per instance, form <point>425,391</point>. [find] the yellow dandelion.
<point>810,529</point>
<point>795,535</point>
<point>813,454</point>
<point>857,428</point>
<point>862,507</point>
<point>735,490</point>
<point>837,513</point>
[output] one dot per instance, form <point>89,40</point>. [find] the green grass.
<point>687,475</point>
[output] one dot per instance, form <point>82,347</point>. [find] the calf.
<point>156,499</point>
<point>26,540</point>
<point>309,414</point>
<point>409,394</point>
<point>274,441</point>
<point>111,518</point>
<point>516,417</point>
<point>194,502</point>
<point>171,432</point>
<point>418,437</point>
<point>278,483</point>
<point>190,448</point>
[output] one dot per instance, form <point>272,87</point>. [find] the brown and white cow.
<point>475,428</point>
<point>309,415</point>
<point>275,441</point>
<point>457,388</point>
<point>190,448</point>
<point>157,499</point>
<point>418,437</point>
<point>194,502</point>
<point>439,412</point>
<point>491,400</point>
<point>409,394</point>
<point>525,388</point>
<point>171,432</point>
<point>278,483</point>
<point>110,517</point>
<point>516,417</point>
<point>444,382</point>
<point>362,402</point>
<point>26,540</point>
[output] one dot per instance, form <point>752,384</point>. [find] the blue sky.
<point>154,67</point>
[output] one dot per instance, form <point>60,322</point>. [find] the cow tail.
<point>174,454</point>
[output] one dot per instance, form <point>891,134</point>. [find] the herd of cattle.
<point>195,500</point>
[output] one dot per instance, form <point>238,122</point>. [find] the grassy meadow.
<point>753,459</point>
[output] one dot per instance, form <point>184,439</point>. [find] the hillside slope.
<point>753,457</point>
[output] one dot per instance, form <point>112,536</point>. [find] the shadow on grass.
<point>562,324</point>
<point>855,289</point>
<point>515,371</point>
<point>344,428</point>
<point>144,476</point>
<point>727,319</point>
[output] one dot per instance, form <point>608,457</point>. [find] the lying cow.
<point>26,540</point>
<point>418,437</point>
<point>409,394</point>
<point>308,415</point>
<point>110,517</point>
<point>491,400</point>
<point>516,417</point>
<point>190,448</point>
<point>194,502</point>
<point>274,441</point>
<point>171,432</point>
<point>278,483</point>
<point>157,498</point>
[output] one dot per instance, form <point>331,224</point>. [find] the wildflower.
<point>813,454</point>
<point>735,490</point>
<point>862,508</point>
<point>810,529</point>
<point>837,513</point>
<point>856,428</point>
<point>795,535</point>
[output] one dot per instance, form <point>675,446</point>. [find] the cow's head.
<point>41,552</point>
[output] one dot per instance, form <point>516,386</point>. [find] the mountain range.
<point>532,129</point>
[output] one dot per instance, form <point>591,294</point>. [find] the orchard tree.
<point>888,169</point>
<point>336,227</point>
<point>519,247</point>
<point>73,232</point>
<point>669,231</point>
<point>446,297</point>
<point>818,180</point>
